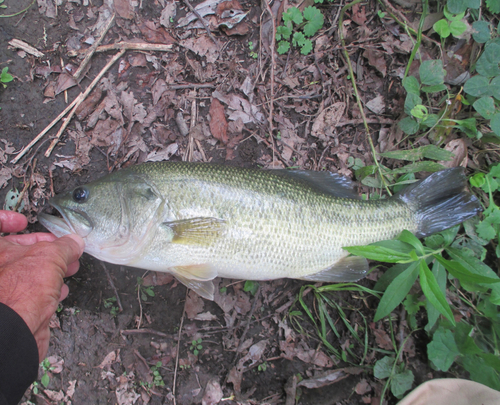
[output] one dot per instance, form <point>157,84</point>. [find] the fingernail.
<point>78,240</point>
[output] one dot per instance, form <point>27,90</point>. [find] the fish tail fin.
<point>440,201</point>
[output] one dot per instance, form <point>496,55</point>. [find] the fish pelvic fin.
<point>440,201</point>
<point>198,278</point>
<point>196,231</point>
<point>351,268</point>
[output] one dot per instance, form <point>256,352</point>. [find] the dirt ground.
<point>174,347</point>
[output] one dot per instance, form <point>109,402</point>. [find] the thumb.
<point>71,247</point>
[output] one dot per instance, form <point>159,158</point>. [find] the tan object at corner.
<point>452,391</point>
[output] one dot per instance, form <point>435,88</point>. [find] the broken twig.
<point>80,99</point>
<point>128,46</point>
<point>93,48</point>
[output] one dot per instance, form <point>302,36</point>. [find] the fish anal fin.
<point>350,268</point>
<point>196,231</point>
<point>204,289</point>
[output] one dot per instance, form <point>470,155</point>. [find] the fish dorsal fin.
<point>196,231</point>
<point>329,183</point>
<point>198,278</point>
<point>350,268</point>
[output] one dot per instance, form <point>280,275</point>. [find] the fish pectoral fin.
<point>350,268</point>
<point>198,278</point>
<point>198,231</point>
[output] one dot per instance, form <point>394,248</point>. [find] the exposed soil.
<point>102,355</point>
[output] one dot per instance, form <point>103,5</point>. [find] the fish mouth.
<point>69,221</point>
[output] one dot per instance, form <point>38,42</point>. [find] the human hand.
<point>32,268</point>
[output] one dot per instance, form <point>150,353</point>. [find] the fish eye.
<point>80,194</point>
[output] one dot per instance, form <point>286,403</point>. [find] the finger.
<point>64,292</point>
<point>70,247</point>
<point>31,238</point>
<point>72,269</point>
<point>12,221</point>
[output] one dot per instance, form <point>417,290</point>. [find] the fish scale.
<point>199,221</point>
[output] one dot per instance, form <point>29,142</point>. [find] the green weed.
<point>109,304</point>
<point>196,346</point>
<point>302,25</point>
<point>144,292</point>
<point>5,77</point>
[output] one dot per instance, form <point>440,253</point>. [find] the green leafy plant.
<point>471,341</point>
<point>196,346</point>
<point>47,368</point>
<point>143,291</point>
<point>5,77</point>
<point>484,88</point>
<point>324,303</point>
<point>251,286</point>
<point>251,47</point>
<point>398,379</point>
<point>431,81</point>
<point>262,367</point>
<point>109,304</point>
<point>453,24</point>
<point>302,25</point>
<point>489,228</point>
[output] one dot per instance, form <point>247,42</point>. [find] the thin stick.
<point>273,62</point>
<point>41,134</point>
<point>110,281</point>
<point>128,46</point>
<point>140,331</point>
<point>179,348</point>
<point>358,98</point>
<point>202,20</point>
<point>92,49</point>
<point>80,99</point>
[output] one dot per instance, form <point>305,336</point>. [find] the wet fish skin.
<point>199,221</point>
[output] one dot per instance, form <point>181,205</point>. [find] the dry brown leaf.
<point>218,123</point>
<point>64,82</point>
<point>5,176</point>
<point>88,105</point>
<point>213,393</point>
<point>168,14</point>
<point>157,278</point>
<point>289,139</point>
<point>376,105</point>
<point>459,148</point>
<point>155,34</point>
<point>324,379</point>
<point>359,14</point>
<point>55,396</point>
<point>376,59</point>
<point>324,125</point>
<point>240,29</point>
<point>111,358</point>
<point>362,387</point>
<point>205,316</point>
<point>56,364</point>
<point>240,108</point>
<point>124,9</point>
<point>47,8</point>
<point>194,304</point>
<point>162,154</point>
<point>383,340</point>
<point>202,46</point>
<point>137,60</point>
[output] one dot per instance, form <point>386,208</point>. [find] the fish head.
<point>113,215</point>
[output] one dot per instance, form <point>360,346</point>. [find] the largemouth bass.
<point>199,221</point>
